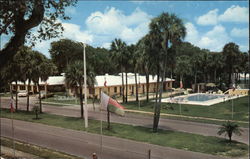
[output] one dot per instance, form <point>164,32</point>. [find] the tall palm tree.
<point>14,72</point>
<point>42,70</point>
<point>27,62</point>
<point>165,30</point>
<point>118,50</point>
<point>183,66</point>
<point>134,63</point>
<point>74,77</point>
<point>230,53</point>
<point>230,128</point>
<point>145,62</point>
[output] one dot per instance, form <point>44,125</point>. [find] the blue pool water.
<point>204,97</point>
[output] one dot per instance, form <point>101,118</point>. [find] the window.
<point>115,89</point>
<point>22,87</point>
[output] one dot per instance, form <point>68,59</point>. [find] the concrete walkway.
<point>6,151</point>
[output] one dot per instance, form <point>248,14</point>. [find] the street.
<point>83,144</point>
<point>135,119</point>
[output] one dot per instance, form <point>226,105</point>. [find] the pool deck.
<point>203,103</point>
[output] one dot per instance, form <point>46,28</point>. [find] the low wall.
<point>238,92</point>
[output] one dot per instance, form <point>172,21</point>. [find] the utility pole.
<point>85,89</point>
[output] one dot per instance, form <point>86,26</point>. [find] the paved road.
<point>135,119</point>
<point>83,144</point>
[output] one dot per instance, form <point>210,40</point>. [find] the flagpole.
<point>138,94</point>
<point>12,125</point>
<point>101,126</point>
<point>85,89</point>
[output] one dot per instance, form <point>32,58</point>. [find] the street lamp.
<point>85,89</point>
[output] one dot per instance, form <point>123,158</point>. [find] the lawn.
<point>66,101</point>
<point>219,111</point>
<point>35,150</point>
<point>179,140</point>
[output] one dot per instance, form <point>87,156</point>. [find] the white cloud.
<point>235,14</point>
<point>72,31</point>
<point>192,33</point>
<point>236,32</point>
<point>104,27</point>
<point>208,19</point>
<point>213,40</point>
<point>106,45</point>
<point>113,23</point>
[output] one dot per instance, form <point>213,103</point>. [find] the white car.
<point>22,93</point>
<point>43,95</point>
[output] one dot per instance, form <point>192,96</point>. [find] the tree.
<point>13,72</point>
<point>165,30</point>
<point>74,77</point>
<point>230,54</point>
<point>118,50</point>
<point>145,61</point>
<point>183,66</point>
<point>18,18</point>
<point>65,51</point>
<point>42,70</point>
<point>229,129</point>
<point>27,63</point>
<point>134,63</point>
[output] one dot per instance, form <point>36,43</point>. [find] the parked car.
<point>22,93</point>
<point>43,94</point>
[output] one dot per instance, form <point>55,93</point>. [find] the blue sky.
<point>210,24</point>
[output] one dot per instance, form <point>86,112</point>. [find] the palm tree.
<point>134,64</point>
<point>183,66</point>
<point>42,70</point>
<point>230,53</point>
<point>74,77</point>
<point>118,49</point>
<point>229,129</point>
<point>165,30</point>
<point>27,62</point>
<point>145,62</point>
<point>14,72</point>
<point>46,69</point>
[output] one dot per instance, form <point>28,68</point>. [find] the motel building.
<point>113,85</point>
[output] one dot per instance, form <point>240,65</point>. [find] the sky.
<point>209,24</point>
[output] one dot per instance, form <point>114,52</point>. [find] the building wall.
<point>117,90</point>
<point>110,90</point>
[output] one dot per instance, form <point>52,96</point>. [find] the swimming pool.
<point>199,99</point>
<point>204,97</point>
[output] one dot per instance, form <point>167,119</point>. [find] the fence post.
<point>149,154</point>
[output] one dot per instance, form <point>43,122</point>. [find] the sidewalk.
<point>8,152</point>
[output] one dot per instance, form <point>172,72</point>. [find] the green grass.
<point>75,102</point>
<point>218,111</point>
<point>5,94</point>
<point>179,140</point>
<point>35,150</point>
